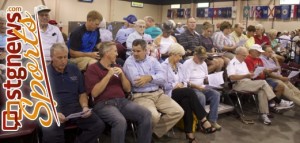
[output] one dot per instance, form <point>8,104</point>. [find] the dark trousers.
<point>188,100</point>
<point>92,127</point>
<point>115,112</point>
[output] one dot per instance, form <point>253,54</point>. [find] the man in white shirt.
<point>50,34</point>
<point>238,73</point>
<point>196,73</point>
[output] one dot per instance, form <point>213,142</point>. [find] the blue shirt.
<point>66,88</point>
<point>153,31</point>
<point>149,66</point>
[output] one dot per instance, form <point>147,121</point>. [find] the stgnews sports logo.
<point>22,31</point>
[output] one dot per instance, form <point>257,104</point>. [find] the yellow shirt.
<point>249,42</point>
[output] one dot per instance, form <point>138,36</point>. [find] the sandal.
<point>208,130</point>
<point>191,140</point>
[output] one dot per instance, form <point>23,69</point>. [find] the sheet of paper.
<point>76,115</point>
<point>215,79</point>
<point>257,71</point>
<point>241,42</point>
<point>293,74</point>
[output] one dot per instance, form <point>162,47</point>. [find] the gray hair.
<point>259,26</point>
<point>273,32</point>
<point>104,47</point>
<point>239,50</point>
<point>61,46</point>
<point>176,48</point>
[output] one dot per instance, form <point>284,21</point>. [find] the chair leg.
<point>240,104</point>
<point>256,103</point>
<point>133,131</point>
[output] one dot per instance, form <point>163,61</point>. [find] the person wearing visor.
<point>163,41</point>
<point>196,74</point>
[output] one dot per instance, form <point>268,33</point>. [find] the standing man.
<point>68,91</point>
<point>50,34</point>
<point>146,75</point>
<point>107,83</point>
<point>83,41</point>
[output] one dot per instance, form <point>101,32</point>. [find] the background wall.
<point>115,10</point>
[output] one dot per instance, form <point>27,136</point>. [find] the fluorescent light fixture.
<point>205,4</point>
<point>289,2</point>
<point>175,6</point>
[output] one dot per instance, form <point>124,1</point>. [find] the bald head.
<point>191,24</point>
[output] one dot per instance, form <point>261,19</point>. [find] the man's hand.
<point>117,70</point>
<point>142,80</point>
<point>200,88</point>
<point>284,79</point>
<point>62,117</point>
<point>250,75</point>
<point>178,85</point>
<point>94,55</point>
<point>86,112</point>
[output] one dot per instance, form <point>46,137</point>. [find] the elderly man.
<point>151,29</point>
<point>237,35</point>
<point>189,39</point>
<point>107,83</point>
<point>68,91</point>
<point>196,73</point>
<point>270,62</point>
<point>50,34</point>
<point>146,76</point>
<point>140,26</point>
<point>83,41</point>
<point>253,61</point>
<point>239,74</point>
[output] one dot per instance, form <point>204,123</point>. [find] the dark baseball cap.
<point>130,19</point>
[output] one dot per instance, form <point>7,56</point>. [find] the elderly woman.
<point>260,38</point>
<point>223,42</point>
<point>176,87</point>
<point>276,46</point>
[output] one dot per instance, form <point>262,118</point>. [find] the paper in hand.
<point>293,74</point>
<point>241,42</point>
<point>76,115</point>
<point>257,71</point>
<point>215,79</point>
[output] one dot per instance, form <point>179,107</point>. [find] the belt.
<point>147,91</point>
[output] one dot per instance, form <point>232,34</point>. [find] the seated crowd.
<point>165,74</point>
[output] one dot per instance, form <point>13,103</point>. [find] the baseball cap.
<point>200,52</point>
<point>40,8</point>
<point>130,19</point>
<point>257,47</point>
<point>167,26</point>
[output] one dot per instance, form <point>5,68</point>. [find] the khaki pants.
<point>290,91</point>
<point>165,111</point>
<point>261,87</point>
<point>83,62</point>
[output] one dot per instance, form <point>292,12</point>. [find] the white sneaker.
<point>284,105</point>
<point>265,119</point>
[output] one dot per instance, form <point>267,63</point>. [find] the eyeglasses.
<point>140,26</point>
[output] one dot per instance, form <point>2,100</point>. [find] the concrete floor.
<point>285,128</point>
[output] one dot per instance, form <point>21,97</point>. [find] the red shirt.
<point>262,40</point>
<point>252,63</point>
<point>94,74</point>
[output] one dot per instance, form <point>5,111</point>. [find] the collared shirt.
<point>195,73</point>
<point>249,42</point>
<point>49,37</point>
<point>94,74</point>
<point>172,78</point>
<point>123,34</point>
<point>207,43</point>
<point>133,36</point>
<point>234,37</point>
<point>189,40</point>
<point>235,67</point>
<point>253,63</point>
<point>153,31</point>
<point>269,63</point>
<point>105,35</point>
<point>180,30</point>
<point>284,40</point>
<point>149,66</point>
<point>221,40</point>
<point>66,88</point>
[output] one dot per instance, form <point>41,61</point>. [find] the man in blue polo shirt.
<point>68,91</point>
<point>83,41</point>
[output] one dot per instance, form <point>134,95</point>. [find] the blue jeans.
<point>213,97</point>
<point>116,112</point>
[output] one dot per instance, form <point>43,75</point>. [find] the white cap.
<point>257,47</point>
<point>40,8</point>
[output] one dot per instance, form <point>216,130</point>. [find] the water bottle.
<point>292,55</point>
